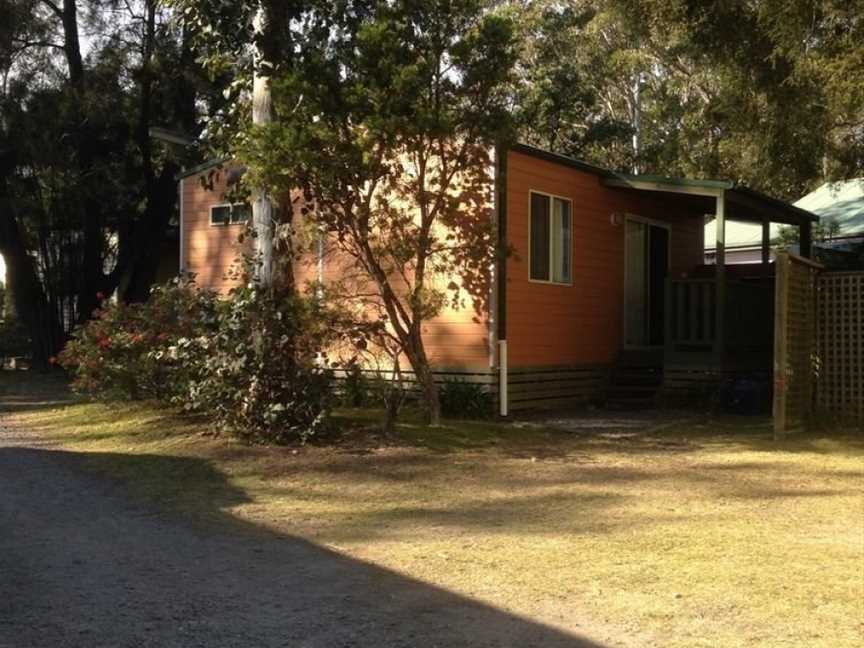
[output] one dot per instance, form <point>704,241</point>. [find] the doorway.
<point>646,251</point>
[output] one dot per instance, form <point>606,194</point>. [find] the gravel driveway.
<point>83,565</point>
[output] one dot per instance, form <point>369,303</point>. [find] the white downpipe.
<point>502,377</point>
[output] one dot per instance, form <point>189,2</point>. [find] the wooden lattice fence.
<point>840,383</point>
<point>795,341</point>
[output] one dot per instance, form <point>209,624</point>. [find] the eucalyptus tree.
<point>247,41</point>
<point>386,120</point>
<point>769,92</point>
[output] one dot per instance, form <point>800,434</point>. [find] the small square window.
<point>230,214</point>
<point>550,239</point>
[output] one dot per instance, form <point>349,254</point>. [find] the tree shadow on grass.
<point>82,560</point>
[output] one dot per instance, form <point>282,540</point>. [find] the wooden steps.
<point>635,382</point>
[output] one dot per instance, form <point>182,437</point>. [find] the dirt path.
<point>83,565</point>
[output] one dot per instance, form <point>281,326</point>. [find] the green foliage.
<point>259,375</point>
<point>87,193</point>
<point>126,351</point>
<point>251,361</point>
<point>387,113</point>
<point>357,389</point>
<point>461,399</point>
<point>14,338</point>
<point>769,93</point>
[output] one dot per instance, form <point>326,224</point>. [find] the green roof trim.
<point>199,168</point>
<point>674,182</point>
<point>797,213</point>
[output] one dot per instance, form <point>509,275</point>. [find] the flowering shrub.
<point>124,352</point>
<point>250,361</point>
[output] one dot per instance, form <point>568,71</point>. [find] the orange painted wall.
<point>208,251</point>
<point>582,323</point>
<point>546,324</point>
<point>456,338</point>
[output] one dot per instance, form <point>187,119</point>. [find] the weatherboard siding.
<point>582,323</point>
<point>210,252</point>
<point>456,338</point>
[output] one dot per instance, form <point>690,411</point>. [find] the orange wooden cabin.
<point>603,293</point>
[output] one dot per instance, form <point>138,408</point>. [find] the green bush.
<point>125,351</point>
<point>249,361</point>
<point>460,399</point>
<point>356,389</point>
<point>14,339</point>
<point>260,375</point>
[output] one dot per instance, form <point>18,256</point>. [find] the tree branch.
<point>53,7</point>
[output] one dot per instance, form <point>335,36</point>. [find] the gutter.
<point>201,167</point>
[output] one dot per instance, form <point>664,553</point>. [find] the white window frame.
<point>550,281</point>
<point>230,223</point>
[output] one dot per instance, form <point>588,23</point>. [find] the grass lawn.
<point>698,534</point>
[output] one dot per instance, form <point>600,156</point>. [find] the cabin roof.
<point>200,168</point>
<point>744,203</point>
<point>837,202</point>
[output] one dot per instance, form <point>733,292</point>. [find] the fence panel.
<point>795,341</point>
<point>840,385</point>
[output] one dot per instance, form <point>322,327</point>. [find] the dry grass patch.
<point>697,535</point>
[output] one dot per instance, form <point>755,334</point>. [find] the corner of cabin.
<point>209,247</point>
<point>565,299</point>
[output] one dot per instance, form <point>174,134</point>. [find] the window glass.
<point>230,214</point>
<point>220,215</point>
<point>551,239</point>
<point>561,248</point>
<point>539,237</point>
<point>241,213</point>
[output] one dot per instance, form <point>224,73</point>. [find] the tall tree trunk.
<point>416,352</point>
<point>160,192</point>
<point>71,43</point>
<point>93,276</point>
<point>262,114</point>
<point>143,267</point>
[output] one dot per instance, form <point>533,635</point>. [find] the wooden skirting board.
<point>528,387</point>
<point>559,386</point>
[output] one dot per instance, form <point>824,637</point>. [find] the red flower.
<point>100,295</point>
<point>52,360</point>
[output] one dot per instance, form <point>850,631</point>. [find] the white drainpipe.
<point>502,377</point>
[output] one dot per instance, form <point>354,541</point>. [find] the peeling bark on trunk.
<point>262,113</point>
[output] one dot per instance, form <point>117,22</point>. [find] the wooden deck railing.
<point>691,307</point>
<point>690,314</point>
